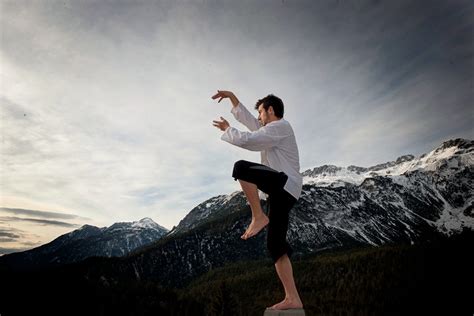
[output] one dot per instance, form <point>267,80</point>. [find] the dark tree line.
<point>426,279</point>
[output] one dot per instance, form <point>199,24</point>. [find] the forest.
<point>428,278</point>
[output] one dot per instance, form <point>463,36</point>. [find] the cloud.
<point>6,236</point>
<point>17,239</point>
<point>44,214</point>
<point>43,222</point>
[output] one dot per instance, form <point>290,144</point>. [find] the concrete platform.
<point>286,312</point>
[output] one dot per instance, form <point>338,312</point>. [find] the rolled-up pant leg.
<point>280,205</point>
<point>265,178</point>
<point>279,202</point>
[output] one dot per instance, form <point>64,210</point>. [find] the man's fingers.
<point>218,124</point>
<point>218,95</point>
<point>221,124</point>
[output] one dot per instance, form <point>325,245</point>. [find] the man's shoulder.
<point>281,123</point>
<point>280,127</point>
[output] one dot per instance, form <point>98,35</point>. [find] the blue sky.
<point>106,109</point>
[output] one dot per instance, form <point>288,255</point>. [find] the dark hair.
<point>275,102</point>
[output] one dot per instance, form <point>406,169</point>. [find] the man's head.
<point>269,109</point>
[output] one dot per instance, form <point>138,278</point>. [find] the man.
<point>278,176</point>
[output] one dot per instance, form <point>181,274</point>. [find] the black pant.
<point>279,202</point>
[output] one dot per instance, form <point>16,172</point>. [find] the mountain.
<point>88,241</point>
<point>409,200</point>
<point>210,209</point>
<point>406,200</point>
<point>424,191</point>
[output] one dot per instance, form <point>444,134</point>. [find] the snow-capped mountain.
<point>409,200</point>
<point>431,181</point>
<point>435,189</point>
<point>209,210</point>
<point>455,153</point>
<point>90,241</point>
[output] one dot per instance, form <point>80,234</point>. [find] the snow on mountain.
<point>333,196</point>
<point>454,152</point>
<point>209,210</point>
<point>147,223</point>
<point>143,224</point>
<point>433,190</point>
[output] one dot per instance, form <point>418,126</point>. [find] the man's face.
<point>263,116</point>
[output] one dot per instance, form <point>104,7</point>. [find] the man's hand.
<point>222,94</point>
<point>222,125</point>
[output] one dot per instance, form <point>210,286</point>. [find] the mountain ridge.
<point>87,241</point>
<point>420,200</point>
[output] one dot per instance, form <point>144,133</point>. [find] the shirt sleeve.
<point>263,138</point>
<point>243,115</point>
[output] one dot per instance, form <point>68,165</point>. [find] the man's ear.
<point>271,112</point>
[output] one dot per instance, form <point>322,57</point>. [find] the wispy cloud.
<point>8,236</point>
<point>37,221</point>
<point>44,214</point>
<point>30,228</point>
<point>13,239</point>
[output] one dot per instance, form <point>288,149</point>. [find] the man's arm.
<point>263,138</point>
<point>243,115</point>
<point>239,111</point>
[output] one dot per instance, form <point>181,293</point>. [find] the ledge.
<point>285,312</point>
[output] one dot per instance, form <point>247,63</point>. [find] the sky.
<point>106,109</point>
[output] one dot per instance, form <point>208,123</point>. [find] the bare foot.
<point>288,304</point>
<point>255,226</point>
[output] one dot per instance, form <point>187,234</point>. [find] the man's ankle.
<point>293,298</point>
<point>259,216</point>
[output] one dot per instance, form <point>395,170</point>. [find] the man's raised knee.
<point>239,169</point>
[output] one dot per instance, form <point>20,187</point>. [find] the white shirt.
<point>276,142</point>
